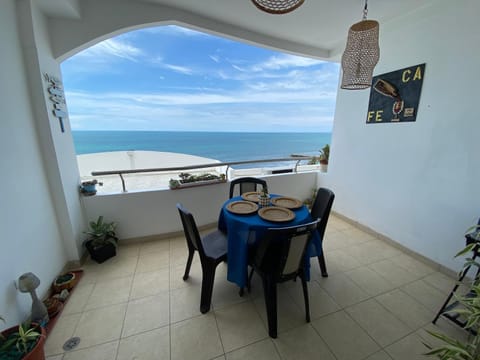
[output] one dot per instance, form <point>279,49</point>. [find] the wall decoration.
<point>395,96</point>
<point>57,97</point>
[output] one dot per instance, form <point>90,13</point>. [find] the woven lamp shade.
<point>277,6</point>
<point>361,55</point>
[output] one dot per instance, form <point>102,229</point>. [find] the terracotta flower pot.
<point>37,352</point>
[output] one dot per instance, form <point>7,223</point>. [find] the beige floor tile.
<point>371,251</point>
<point>151,345</point>
<point>338,223</point>
<point>264,350</point>
<point>343,290</point>
<point>177,272</point>
<point>410,264</point>
<point>440,281</point>
<point>179,255</point>
<point>61,332</point>
<point>378,322</point>
<point>150,283</point>
<point>196,339</point>
<point>405,308</point>
<point>427,295</point>
<point>410,347</point>
<point>395,274</point>
<point>184,303</point>
<point>320,302</point>
<point>153,261</point>
<point>339,261</point>
<point>344,337</point>
<point>302,343</point>
<point>128,250</point>
<point>147,314</point>
<point>106,351</point>
<point>358,236</point>
<point>337,240</point>
<point>161,245</point>
<point>100,325</point>
<point>117,267</point>
<point>55,357</point>
<point>78,298</point>
<point>381,355</point>
<point>109,292</point>
<point>240,325</point>
<point>370,281</point>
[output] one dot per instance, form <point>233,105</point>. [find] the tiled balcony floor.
<point>375,305</point>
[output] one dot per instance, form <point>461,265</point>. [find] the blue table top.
<point>243,230</point>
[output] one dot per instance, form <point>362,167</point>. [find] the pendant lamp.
<point>277,7</point>
<point>361,54</point>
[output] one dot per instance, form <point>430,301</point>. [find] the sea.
<point>223,146</point>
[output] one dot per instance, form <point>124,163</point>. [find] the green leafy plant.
<point>15,344</point>
<point>469,309</point>
<point>102,233</point>
<point>324,154</point>
<point>186,178</point>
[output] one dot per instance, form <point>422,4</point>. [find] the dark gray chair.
<point>212,250</point>
<point>321,210</point>
<point>278,257</point>
<point>247,184</point>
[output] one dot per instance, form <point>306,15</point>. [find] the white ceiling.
<point>318,24</point>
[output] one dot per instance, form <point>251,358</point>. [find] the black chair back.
<point>247,184</point>
<point>280,254</point>
<point>321,208</point>
<point>190,229</point>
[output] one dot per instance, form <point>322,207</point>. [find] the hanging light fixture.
<point>277,6</point>
<point>361,54</point>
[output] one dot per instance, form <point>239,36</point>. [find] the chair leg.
<point>208,278</point>
<point>189,264</point>
<point>270,291</point>
<point>305,296</point>
<point>249,283</point>
<point>323,266</point>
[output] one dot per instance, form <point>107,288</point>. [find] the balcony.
<point>414,183</point>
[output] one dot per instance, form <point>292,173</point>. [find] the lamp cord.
<point>365,10</point>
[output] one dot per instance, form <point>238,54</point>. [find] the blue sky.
<point>175,79</point>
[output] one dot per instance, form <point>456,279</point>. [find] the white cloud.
<point>215,58</point>
<point>112,48</point>
<point>180,69</point>
<point>286,61</point>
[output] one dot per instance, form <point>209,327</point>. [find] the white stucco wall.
<point>416,183</point>
<point>31,240</point>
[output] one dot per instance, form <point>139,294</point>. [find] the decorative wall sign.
<point>57,97</point>
<point>394,96</point>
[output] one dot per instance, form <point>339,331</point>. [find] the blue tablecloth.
<point>244,230</point>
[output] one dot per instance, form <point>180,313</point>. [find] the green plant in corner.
<point>101,233</point>
<point>469,309</point>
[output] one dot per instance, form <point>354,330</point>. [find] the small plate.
<point>286,202</point>
<point>242,207</point>
<point>276,214</point>
<point>251,196</point>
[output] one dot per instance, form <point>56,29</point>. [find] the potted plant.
<point>468,308</point>
<point>188,180</point>
<point>323,159</point>
<point>89,187</point>
<point>24,341</point>
<point>102,241</point>
<point>264,198</point>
